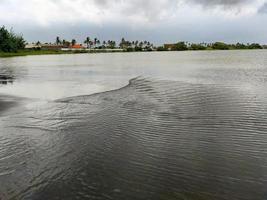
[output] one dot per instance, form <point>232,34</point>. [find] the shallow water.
<point>183,125</point>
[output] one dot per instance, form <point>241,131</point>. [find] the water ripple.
<point>152,139</point>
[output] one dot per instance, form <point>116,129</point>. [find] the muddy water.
<point>189,125</point>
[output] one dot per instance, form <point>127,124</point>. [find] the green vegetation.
<point>161,48</point>
<point>131,46</point>
<point>33,52</point>
<point>12,44</point>
<point>184,46</point>
<point>220,46</point>
<point>9,41</point>
<point>180,46</point>
<point>88,42</point>
<point>224,46</point>
<point>198,47</point>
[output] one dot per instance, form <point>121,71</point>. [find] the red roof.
<point>76,46</point>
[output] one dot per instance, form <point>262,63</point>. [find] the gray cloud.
<point>263,9</point>
<point>156,20</point>
<point>221,2</point>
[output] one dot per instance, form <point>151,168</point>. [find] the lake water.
<point>170,125</point>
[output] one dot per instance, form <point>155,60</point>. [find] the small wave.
<point>149,139</point>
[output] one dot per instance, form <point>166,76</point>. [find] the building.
<point>51,47</point>
<point>77,47</point>
<point>169,46</point>
<point>33,46</point>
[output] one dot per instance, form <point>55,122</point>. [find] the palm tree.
<point>141,44</point>
<point>136,43</point>
<point>95,41</point>
<point>122,44</point>
<point>113,44</point>
<point>58,42</point>
<point>73,42</point>
<point>66,43</point>
<point>87,42</point>
<point>104,44</point>
<point>98,42</point>
<point>109,43</point>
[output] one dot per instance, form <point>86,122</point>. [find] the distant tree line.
<point>9,41</point>
<point>109,44</point>
<point>90,43</point>
<point>136,45</point>
<point>148,46</point>
<point>184,46</point>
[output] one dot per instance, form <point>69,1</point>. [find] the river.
<point>160,125</point>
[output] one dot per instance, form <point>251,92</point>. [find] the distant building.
<point>33,46</point>
<point>264,46</point>
<point>77,47</point>
<point>51,47</point>
<point>169,46</point>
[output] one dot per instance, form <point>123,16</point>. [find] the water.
<point>171,125</point>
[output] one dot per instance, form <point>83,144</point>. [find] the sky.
<point>158,21</point>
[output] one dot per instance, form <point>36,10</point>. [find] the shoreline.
<point>56,52</point>
<point>32,53</point>
<point>93,51</point>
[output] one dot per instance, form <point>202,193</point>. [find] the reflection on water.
<point>156,138</point>
<point>58,76</point>
<point>6,78</point>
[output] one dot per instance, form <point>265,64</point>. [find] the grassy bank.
<point>33,52</point>
<point>53,52</point>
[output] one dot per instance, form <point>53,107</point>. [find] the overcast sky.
<point>158,21</point>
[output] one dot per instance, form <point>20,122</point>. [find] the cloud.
<point>137,18</point>
<point>131,12</point>
<point>230,7</point>
<point>45,12</point>
<point>263,9</point>
<point>222,2</point>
